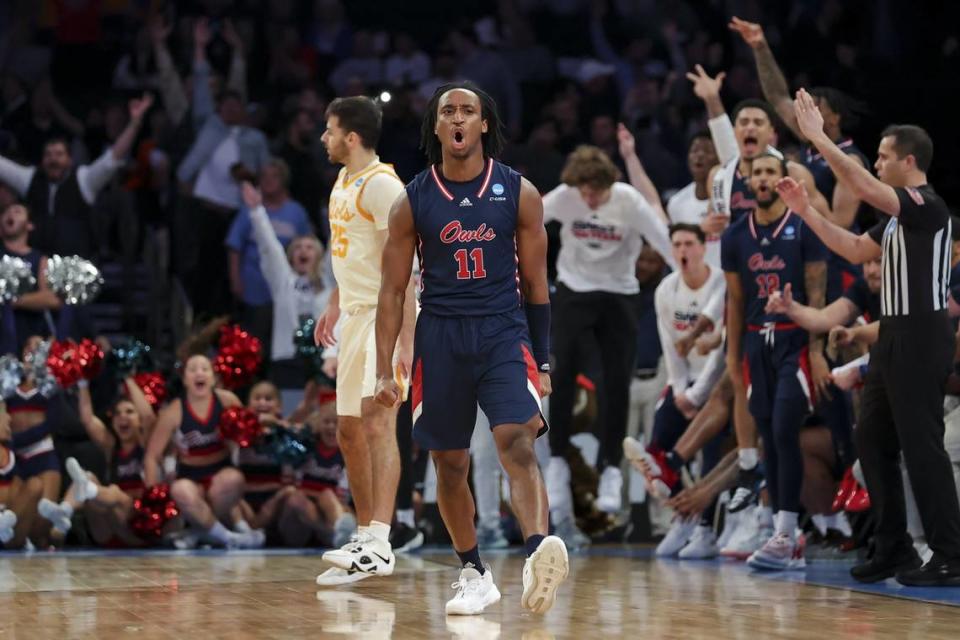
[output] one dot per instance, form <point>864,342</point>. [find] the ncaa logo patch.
<point>789,231</point>
<point>497,189</point>
<point>359,181</point>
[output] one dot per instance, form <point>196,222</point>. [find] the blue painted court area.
<point>821,573</point>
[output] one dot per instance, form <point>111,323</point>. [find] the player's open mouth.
<point>458,139</point>
<point>683,262</point>
<point>750,143</point>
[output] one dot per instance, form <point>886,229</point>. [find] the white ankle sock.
<point>242,526</point>
<point>786,523</point>
<point>765,516</point>
<point>220,533</point>
<point>748,458</point>
<point>380,531</point>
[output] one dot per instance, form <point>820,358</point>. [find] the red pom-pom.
<point>154,388</point>
<point>152,512</point>
<point>240,425</point>
<point>238,357</point>
<point>70,362</point>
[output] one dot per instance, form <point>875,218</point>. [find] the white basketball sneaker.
<point>702,545</point>
<point>363,553</point>
<point>780,553</point>
<point>610,491</point>
<point>543,572</point>
<point>475,592</point>
<point>679,534</point>
<point>335,576</point>
<point>731,522</point>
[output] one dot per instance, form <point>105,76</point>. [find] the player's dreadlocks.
<point>493,140</point>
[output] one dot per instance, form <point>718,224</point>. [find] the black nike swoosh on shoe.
<point>387,560</point>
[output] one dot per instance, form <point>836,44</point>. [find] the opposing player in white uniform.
<point>360,204</point>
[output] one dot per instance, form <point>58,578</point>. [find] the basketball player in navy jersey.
<point>483,334</point>
<point>763,252</point>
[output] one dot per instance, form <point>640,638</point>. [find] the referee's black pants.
<point>612,319</point>
<point>902,409</point>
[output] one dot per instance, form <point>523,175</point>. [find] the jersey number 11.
<point>463,271</point>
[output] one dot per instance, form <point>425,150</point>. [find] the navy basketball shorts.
<point>668,423</point>
<point>461,362</point>
<point>777,371</point>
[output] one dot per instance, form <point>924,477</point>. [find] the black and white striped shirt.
<point>916,255</point>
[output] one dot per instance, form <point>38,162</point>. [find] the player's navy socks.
<point>472,558</point>
<point>674,461</point>
<point>532,543</point>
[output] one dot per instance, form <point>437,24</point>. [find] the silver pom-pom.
<point>11,374</point>
<point>42,378</point>
<point>16,278</point>
<point>74,279</point>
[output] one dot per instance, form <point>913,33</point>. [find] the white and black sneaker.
<point>404,538</point>
<point>749,483</point>
<point>363,553</point>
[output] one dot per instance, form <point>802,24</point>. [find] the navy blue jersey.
<point>742,200</point>
<point>127,469</point>
<point>767,257</point>
<point>323,470</point>
<point>823,176</point>
<point>466,241</point>
<point>199,436</point>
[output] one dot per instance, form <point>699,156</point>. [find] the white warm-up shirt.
<point>684,207</point>
<point>678,307</point>
<point>600,247</point>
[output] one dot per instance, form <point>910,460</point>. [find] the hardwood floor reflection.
<point>240,596</point>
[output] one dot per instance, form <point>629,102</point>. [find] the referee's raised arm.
<point>865,186</point>
<point>855,248</point>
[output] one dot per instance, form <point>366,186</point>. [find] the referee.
<point>902,401</point>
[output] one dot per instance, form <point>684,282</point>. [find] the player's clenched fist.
<point>387,392</point>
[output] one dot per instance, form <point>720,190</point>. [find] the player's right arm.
<point>396,266</point>
<point>167,422</point>
<point>855,248</point>
<point>323,330</point>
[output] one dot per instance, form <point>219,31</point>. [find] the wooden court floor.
<point>611,594</point>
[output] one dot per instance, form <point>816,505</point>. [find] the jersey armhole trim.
<point>363,212</point>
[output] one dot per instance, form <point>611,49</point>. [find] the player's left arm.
<point>396,266</point>
<point>815,282</point>
<point>863,184</point>
<point>532,255</point>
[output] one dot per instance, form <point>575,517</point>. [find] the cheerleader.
<point>32,441</point>
<point>18,499</point>
<point>108,508</point>
<point>264,493</point>
<point>208,488</point>
<point>317,510</point>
